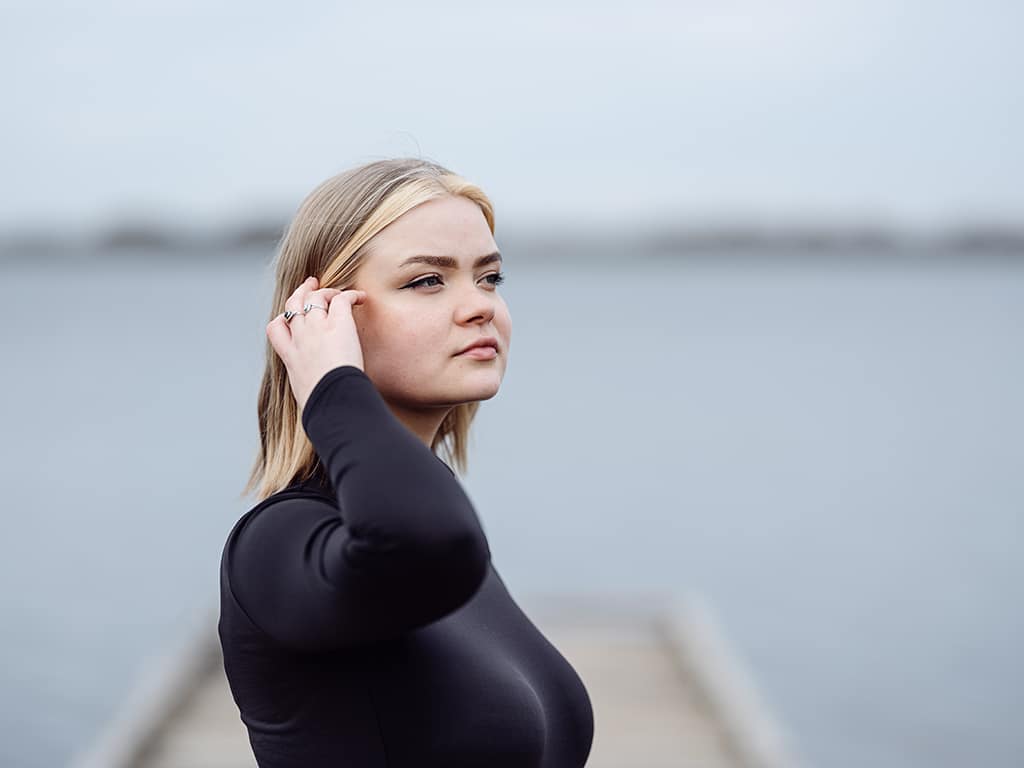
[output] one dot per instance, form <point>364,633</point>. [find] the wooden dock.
<point>665,689</point>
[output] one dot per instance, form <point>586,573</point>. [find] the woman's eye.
<point>422,281</point>
<point>496,278</point>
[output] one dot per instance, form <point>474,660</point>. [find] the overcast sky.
<point>909,111</point>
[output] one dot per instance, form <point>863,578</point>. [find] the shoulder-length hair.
<point>326,239</point>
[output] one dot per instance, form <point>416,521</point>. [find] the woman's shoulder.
<point>282,511</point>
<point>315,487</point>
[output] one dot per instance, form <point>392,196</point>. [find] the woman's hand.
<point>312,344</point>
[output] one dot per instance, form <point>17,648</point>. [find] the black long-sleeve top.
<point>362,621</point>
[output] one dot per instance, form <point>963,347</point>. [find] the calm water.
<point>831,454</point>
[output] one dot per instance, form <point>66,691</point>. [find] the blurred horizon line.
<point>668,237</point>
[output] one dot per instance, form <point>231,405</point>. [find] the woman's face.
<point>418,316</point>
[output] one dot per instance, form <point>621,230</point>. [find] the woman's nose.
<point>476,303</point>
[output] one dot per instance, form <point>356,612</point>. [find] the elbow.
<point>460,568</point>
<point>469,559</point>
<point>453,547</point>
<point>425,575</point>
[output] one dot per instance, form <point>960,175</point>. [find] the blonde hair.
<point>326,238</point>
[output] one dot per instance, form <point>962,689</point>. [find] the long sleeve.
<point>403,548</point>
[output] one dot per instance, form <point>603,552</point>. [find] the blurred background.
<point>765,266</point>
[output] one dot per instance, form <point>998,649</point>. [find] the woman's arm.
<point>411,548</point>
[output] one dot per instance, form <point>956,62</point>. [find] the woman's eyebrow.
<point>448,262</point>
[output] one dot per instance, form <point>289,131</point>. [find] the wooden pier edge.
<point>686,624</point>
<point>726,684</point>
<point>163,688</point>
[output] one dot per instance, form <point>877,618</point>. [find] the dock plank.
<point>650,708</point>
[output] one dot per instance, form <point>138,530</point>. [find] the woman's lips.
<point>480,353</point>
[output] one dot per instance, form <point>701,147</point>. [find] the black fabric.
<point>362,621</point>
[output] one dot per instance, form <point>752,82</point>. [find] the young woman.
<point>363,623</point>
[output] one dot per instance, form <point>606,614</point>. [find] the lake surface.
<point>830,453</point>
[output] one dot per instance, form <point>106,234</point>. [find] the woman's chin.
<point>481,385</point>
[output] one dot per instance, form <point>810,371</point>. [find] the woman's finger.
<point>350,298</point>
<point>298,299</point>
<point>279,335</point>
<point>309,284</point>
<point>319,298</point>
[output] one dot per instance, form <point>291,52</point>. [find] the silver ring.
<point>308,307</point>
<point>289,314</point>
